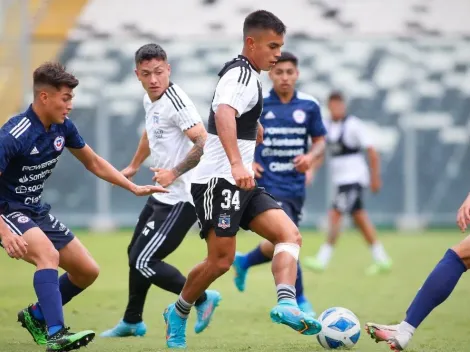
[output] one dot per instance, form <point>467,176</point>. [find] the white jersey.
<point>351,136</point>
<point>240,88</point>
<point>165,122</point>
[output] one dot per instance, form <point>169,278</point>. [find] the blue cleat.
<point>288,313</point>
<point>175,328</point>
<point>240,272</point>
<point>123,329</point>
<point>305,306</point>
<point>206,310</point>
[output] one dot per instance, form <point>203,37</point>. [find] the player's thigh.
<point>143,218</point>
<point>265,217</point>
<point>41,251</point>
<point>77,261</point>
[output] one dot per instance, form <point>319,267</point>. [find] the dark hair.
<point>149,52</point>
<point>288,57</point>
<point>262,19</point>
<point>55,75</point>
<point>338,96</point>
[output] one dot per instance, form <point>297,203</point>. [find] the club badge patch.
<point>59,143</point>
<point>224,221</point>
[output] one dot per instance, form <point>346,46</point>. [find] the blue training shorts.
<point>293,208</point>
<point>57,232</point>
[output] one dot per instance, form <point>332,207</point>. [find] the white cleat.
<point>390,334</point>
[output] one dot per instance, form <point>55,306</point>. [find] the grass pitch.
<point>242,322</point>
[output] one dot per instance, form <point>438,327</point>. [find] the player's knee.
<point>47,258</point>
<point>221,264</point>
<point>463,251</point>
<point>92,272</point>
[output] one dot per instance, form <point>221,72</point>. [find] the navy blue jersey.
<point>287,131</point>
<point>28,154</point>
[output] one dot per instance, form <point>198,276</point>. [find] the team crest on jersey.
<point>23,219</point>
<point>224,221</point>
<point>59,143</point>
<point>156,118</point>
<point>299,116</point>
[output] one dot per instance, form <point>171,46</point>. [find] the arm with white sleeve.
<point>233,97</point>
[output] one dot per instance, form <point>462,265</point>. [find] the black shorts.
<point>225,207</point>
<point>21,221</point>
<point>348,198</point>
<point>159,231</point>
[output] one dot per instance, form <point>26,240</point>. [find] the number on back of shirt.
<point>231,200</point>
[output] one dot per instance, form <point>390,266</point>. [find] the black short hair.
<point>288,57</point>
<point>262,19</point>
<point>149,52</point>
<point>53,74</point>
<point>336,95</point>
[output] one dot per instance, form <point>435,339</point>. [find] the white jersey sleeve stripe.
<point>23,121</point>
<point>21,130</point>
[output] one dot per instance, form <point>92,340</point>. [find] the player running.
<point>347,139</point>
<point>435,290</point>
<point>225,193</point>
<point>174,136</point>
<point>30,146</point>
<point>290,118</point>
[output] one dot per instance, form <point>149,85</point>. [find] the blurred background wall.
<point>404,66</point>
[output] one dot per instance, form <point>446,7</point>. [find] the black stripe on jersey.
<point>245,75</point>
<point>175,103</point>
<point>175,99</point>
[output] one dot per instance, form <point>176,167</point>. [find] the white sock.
<point>378,252</point>
<point>406,328</point>
<point>325,253</point>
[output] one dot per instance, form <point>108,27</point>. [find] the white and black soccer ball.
<point>341,329</point>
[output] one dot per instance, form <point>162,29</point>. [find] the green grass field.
<point>242,321</point>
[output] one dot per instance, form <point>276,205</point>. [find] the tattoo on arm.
<point>193,157</point>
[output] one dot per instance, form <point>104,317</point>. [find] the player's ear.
<point>136,73</point>
<point>250,43</point>
<point>169,69</point>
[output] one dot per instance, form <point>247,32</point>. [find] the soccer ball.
<point>341,329</point>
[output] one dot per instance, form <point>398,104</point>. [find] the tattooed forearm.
<point>193,157</point>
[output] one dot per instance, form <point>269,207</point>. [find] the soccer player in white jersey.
<point>224,190</point>
<point>347,140</point>
<point>174,137</point>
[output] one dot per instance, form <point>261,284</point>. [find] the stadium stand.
<point>404,66</point>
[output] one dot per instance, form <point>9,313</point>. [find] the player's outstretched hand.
<point>148,190</point>
<point>303,162</point>
<point>129,172</point>
<point>375,184</point>
<point>463,215</point>
<point>14,245</point>
<point>258,169</point>
<point>164,177</point>
<point>243,177</point>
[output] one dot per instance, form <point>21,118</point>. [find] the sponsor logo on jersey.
<point>269,115</point>
<point>24,189</point>
<point>23,179</point>
<point>59,143</point>
<point>299,116</point>
<point>40,166</point>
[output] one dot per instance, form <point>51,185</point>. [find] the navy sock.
<point>46,285</point>
<point>437,288</point>
<point>67,289</point>
<point>299,286</point>
<point>255,257</point>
